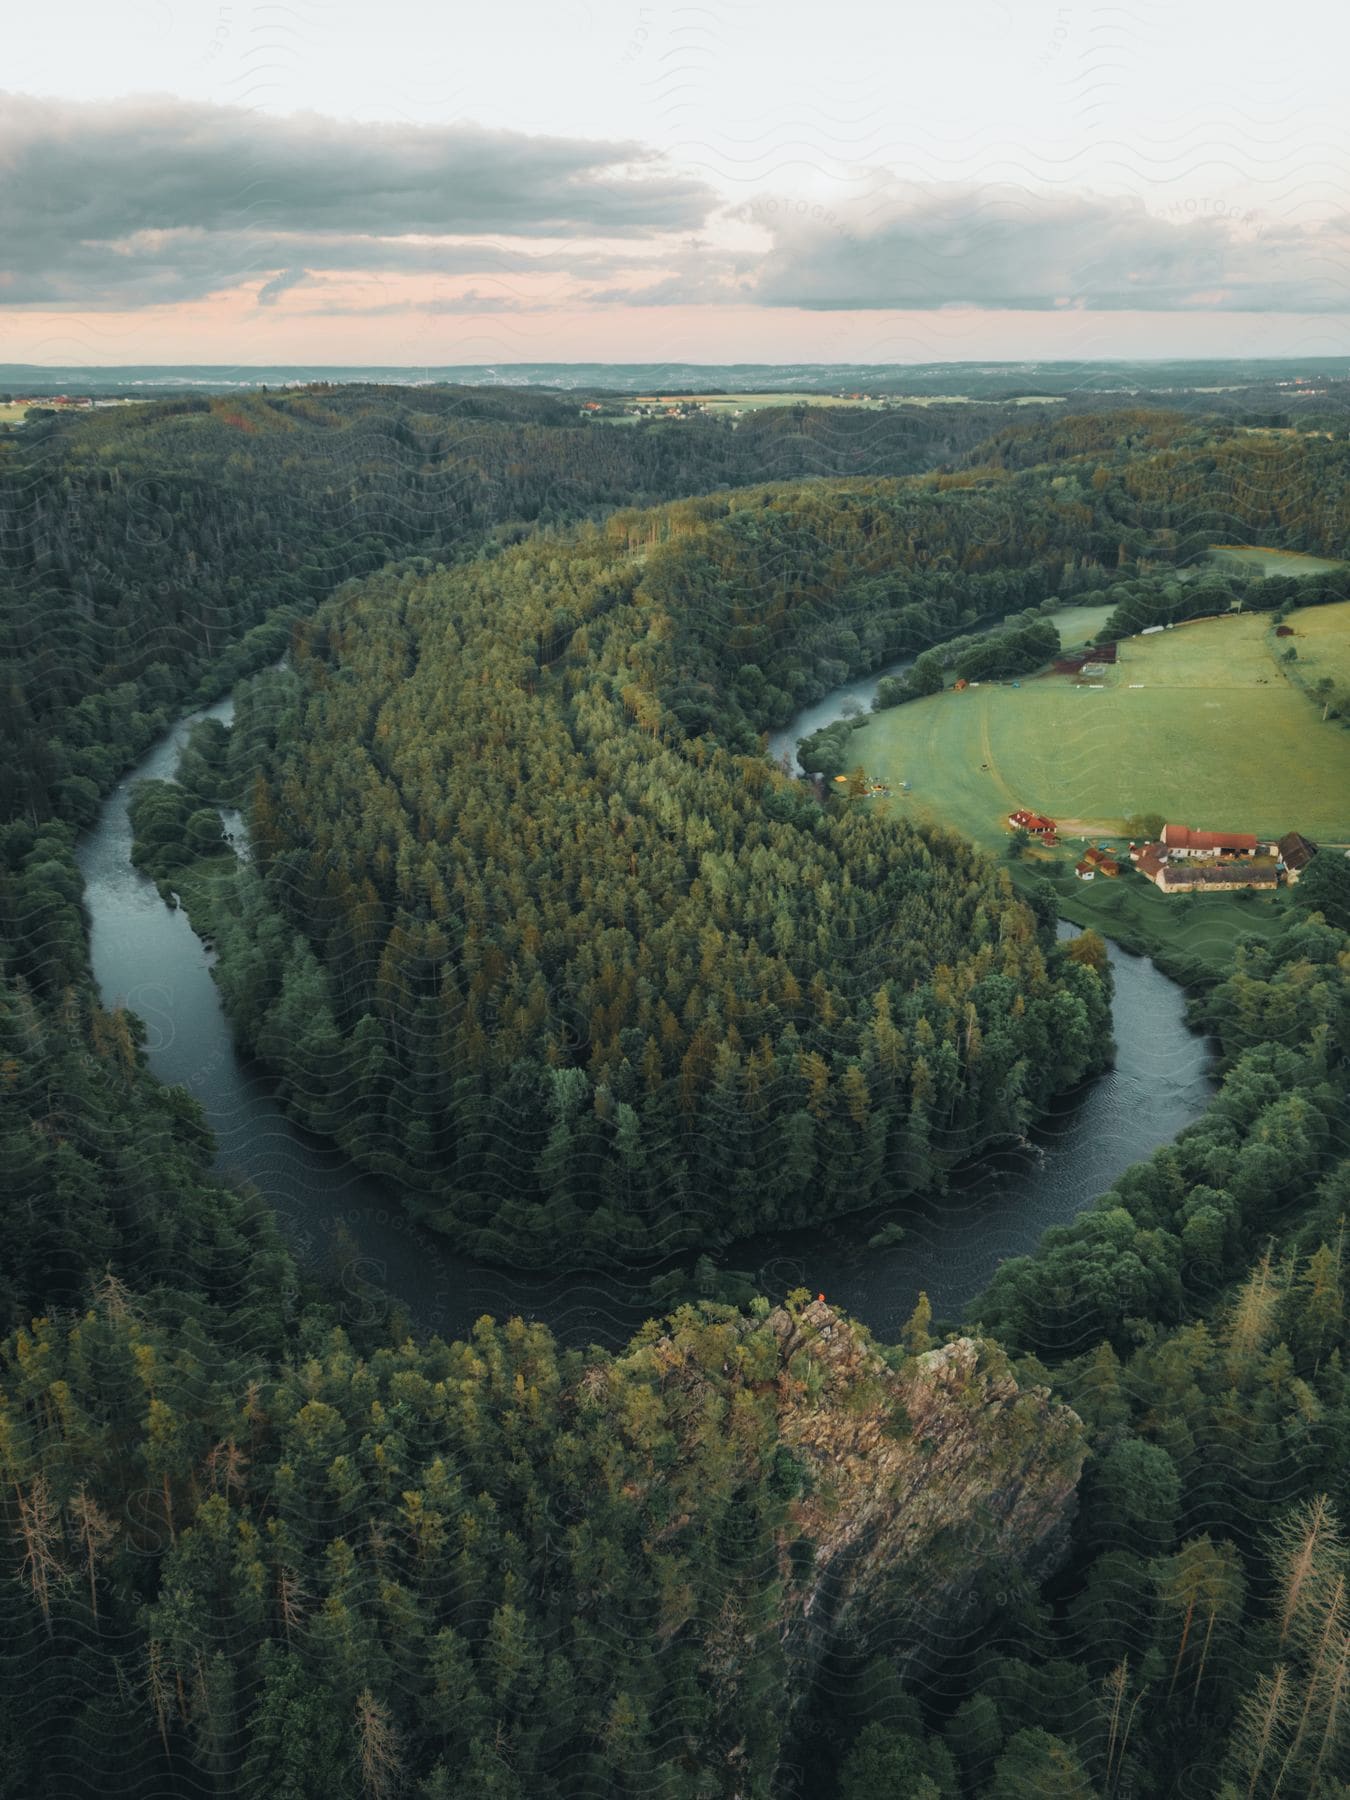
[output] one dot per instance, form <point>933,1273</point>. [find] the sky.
<point>321,181</point>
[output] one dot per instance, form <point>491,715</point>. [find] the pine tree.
<point>915,1333</point>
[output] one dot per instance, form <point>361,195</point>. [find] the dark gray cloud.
<point>1008,248</point>
<point>1000,246</point>
<point>269,293</point>
<point>153,200</point>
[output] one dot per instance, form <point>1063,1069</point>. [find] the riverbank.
<point>356,1230</point>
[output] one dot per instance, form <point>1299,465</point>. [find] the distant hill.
<point>983,380</point>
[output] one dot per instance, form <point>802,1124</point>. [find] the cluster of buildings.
<point>1186,861</point>
<point>1096,862</point>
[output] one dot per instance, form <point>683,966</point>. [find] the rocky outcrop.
<point>926,1484</point>
<point>912,1487</point>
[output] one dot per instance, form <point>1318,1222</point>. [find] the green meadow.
<point>1246,557</point>
<point>1199,723</point>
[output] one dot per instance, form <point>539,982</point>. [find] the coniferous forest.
<point>538,934</point>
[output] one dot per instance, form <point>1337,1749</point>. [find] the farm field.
<point>1322,639</point>
<point>1270,562</point>
<point>1198,723</point>
<point>1079,625</point>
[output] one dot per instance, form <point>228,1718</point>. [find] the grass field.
<point>1079,625</point>
<point>1247,557</point>
<point>10,414</point>
<point>1199,928</point>
<point>747,402</point>
<point>1322,639</point>
<point>1212,735</point>
<point>1199,724</point>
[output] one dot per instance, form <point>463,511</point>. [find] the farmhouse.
<point>1295,852</point>
<point>1036,823</point>
<point>1180,840</point>
<point>1085,871</point>
<point>1156,862</point>
<point>1217,877</point>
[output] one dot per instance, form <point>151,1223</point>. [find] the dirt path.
<point>987,756</point>
<point>1090,828</point>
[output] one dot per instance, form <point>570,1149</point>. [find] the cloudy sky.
<point>745,180</point>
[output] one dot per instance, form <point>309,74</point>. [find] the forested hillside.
<point>140,546</point>
<point>533,930</point>
<point>260,1548</point>
<point>535,922</point>
<point>567,973</point>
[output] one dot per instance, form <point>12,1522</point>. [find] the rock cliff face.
<point>924,1482</point>
<point>913,1487</point>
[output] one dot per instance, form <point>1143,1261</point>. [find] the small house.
<point>1150,860</point>
<point>1036,823</point>
<point>1085,871</point>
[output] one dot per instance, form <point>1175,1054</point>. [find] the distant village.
<point>674,406</point>
<point>66,402</point>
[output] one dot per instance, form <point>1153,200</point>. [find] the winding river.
<point>340,1222</point>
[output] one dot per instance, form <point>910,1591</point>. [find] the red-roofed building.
<point>1036,823</point>
<point>1180,840</point>
<point>1182,876</point>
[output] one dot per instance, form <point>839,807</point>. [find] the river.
<point>340,1222</point>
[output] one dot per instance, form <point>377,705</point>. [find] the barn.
<point>1180,840</point>
<point>1295,852</point>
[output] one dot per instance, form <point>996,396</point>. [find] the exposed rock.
<point>925,1479</point>
<point>914,1487</point>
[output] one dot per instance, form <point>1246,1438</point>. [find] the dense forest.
<point>512,810</point>
<point>258,1551</point>
<point>566,972</point>
<point>152,553</point>
<point>533,930</point>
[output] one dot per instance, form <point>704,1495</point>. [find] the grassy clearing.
<point>1180,930</point>
<point>1199,724</point>
<point>1246,557</point>
<point>11,414</point>
<point>1079,625</point>
<point>1322,639</point>
<point>1212,734</point>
